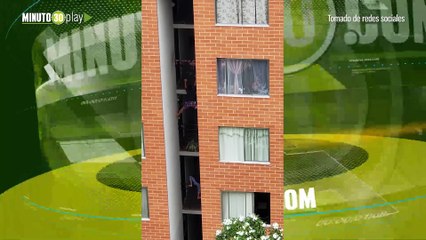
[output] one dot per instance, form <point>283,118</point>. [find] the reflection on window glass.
<point>242,77</point>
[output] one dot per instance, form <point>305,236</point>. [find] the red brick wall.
<point>154,166</point>
<point>212,42</point>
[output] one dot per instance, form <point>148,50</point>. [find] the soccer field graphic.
<point>355,120</point>
<point>376,200</point>
<point>71,203</point>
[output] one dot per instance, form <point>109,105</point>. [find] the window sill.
<point>242,25</point>
<point>247,162</point>
<point>146,219</point>
<point>243,95</point>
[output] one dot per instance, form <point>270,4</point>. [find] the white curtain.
<point>231,144</point>
<point>230,77</point>
<point>221,76</point>
<point>235,69</point>
<point>242,76</point>
<point>256,145</point>
<point>236,204</point>
<point>262,11</point>
<point>255,11</point>
<point>261,76</point>
<point>145,213</point>
<point>243,144</point>
<point>242,11</point>
<point>249,11</point>
<point>227,11</point>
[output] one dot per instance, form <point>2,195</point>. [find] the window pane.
<point>225,205</point>
<point>243,77</point>
<point>142,143</point>
<point>231,144</point>
<point>230,76</point>
<point>221,76</point>
<point>249,11</point>
<point>256,145</point>
<point>262,11</point>
<point>243,144</point>
<point>236,204</point>
<point>227,11</point>
<point>242,11</point>
<point>258,83</point>
<point>145,211</point>
<point>249,204</point>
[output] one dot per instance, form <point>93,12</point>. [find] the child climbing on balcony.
<point>192,182</point>
<point>190,100</point>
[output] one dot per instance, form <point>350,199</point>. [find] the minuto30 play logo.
<point>57,18</point>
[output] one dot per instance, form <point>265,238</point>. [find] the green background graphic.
<point>70,167</point>
<point>354,127</point>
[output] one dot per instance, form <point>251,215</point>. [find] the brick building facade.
<point>153,165</point>
<point>239,82</point>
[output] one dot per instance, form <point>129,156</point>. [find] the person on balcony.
<point>193,182</point>
<point>190,100</point>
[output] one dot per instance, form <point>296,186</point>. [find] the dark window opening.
<point>183,12</point>
<point>262,206</point>
<point>191,184</point>
<point>188,127</point>
<point>185,56</point>
<point>192,227</point>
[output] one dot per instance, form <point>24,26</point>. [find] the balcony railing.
<point>190,199</point>
<point>188,137</point>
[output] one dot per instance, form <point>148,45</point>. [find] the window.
<point>236,204</point>
<point>243,144</point>
<point>243,12</point>
<point>142,143</point>
<point>242,77</point>
<point>145,210</point>
<point>183,11</point>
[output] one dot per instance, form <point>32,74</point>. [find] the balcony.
<point>191,199</point>
<point>188,138</point>
<point>191,203</point>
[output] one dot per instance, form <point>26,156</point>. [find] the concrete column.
<point>171,131</point>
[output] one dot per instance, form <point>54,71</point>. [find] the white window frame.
<point>241,25</point>
<point>242,95</point>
